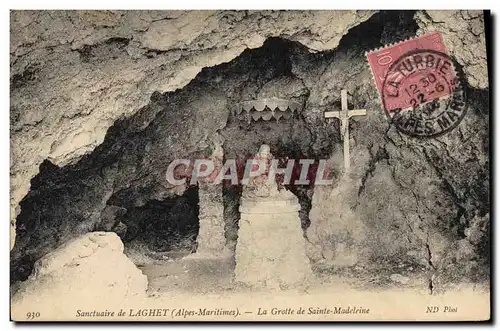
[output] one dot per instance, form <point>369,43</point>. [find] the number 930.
<point>32,315</point>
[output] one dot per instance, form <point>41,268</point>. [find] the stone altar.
<point>270,251</point>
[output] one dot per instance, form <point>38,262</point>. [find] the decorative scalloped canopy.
<point>267,109</point>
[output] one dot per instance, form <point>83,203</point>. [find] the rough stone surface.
<point>270,251</point>
<point>336,231</point>
<point>211,238</point>
<point>90,271</point>
<point>74,73</point>
<point>397,278</point>
<point>110,219</point>
<point>419,203</point>
<point>464,36</point>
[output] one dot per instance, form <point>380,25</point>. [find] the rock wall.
<point>74,73</point>
<point>464,34</point>
<point>425,202</point>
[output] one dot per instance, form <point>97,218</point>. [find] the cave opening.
<point>162,229</point>
<point>288,140</point>
<point>120,186</point>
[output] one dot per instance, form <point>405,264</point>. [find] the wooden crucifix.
<point>344,115</point>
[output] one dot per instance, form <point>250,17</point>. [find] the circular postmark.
<point>423,93</point>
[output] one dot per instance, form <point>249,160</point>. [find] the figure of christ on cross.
<point>344,115</point>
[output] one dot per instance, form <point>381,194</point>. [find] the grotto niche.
<point>121,186</point>
<point>410,213</point>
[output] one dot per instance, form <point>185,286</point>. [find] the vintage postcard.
<point>250,165</point>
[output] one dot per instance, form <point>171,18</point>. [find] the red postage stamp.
<point>413,79</point>
<point>381,60</point>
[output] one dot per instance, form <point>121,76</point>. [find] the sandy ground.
<point>187,274</point>
<point>190,275</point>
<point>187,286</point>
<point>203,290</point>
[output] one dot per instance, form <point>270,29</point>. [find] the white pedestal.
<point>270,251</point>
